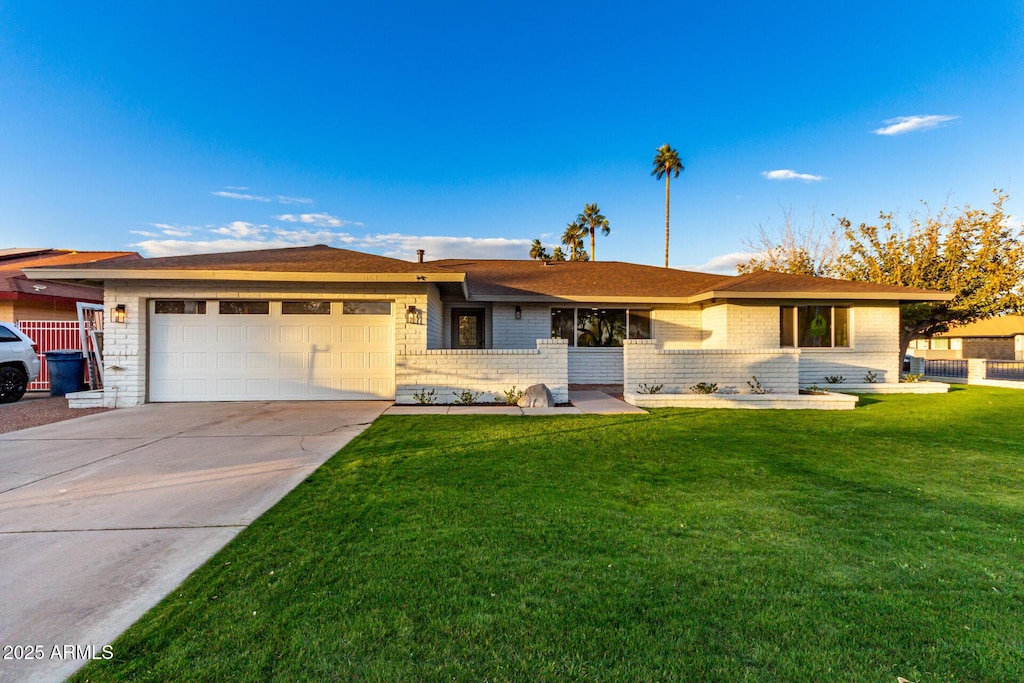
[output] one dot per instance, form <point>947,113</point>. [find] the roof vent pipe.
<point>419,255</point>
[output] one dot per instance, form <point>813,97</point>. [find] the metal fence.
<point>1005,369</point>
<point>946,368</point>
<point>50,335</point>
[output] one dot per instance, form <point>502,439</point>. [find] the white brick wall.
<point>740,326</point>
<point>490,371</point>
<point>510,333</point>
<point>125,351</point>
<point>679,369</point>
<point>678,327</point>
<point>595,366</point>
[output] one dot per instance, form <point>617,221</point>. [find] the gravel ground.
<point>39,408</point>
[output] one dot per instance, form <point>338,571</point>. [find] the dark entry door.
<point>467,328</point>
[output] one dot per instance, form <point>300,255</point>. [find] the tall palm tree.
<point>537,251</point>
<point>558,254</point>
<point>592,222</point>
<point>573,239</point>
<point>666,163</point>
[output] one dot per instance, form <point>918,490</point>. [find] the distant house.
<point>999,338</point>
<point>24,299</point>
<point>318,323</point>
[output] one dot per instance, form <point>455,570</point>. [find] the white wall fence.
<point>731,369</point>
<point>489,372</point>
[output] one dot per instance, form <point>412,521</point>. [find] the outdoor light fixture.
<point>119,313</point>
<point>412,316</point>
<point>519,312</point>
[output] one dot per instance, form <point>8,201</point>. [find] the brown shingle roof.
<point>772,282</point>
<point>316,259</point>
<point>503,279</point>
<point>598,279</point>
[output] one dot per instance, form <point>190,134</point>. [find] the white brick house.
<point>314,323</point>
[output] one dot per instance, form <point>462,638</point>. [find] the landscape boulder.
<point>536,396</point>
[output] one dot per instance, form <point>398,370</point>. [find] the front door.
<point>467,328</point>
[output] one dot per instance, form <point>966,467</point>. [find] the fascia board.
<point>94,274</point>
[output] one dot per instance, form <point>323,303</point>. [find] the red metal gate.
<point>50,335</point>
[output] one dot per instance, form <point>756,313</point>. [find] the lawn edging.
<point>830,401</point>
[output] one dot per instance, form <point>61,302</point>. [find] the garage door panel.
<point>215,357</point>
<point>291,360</point>
<point>229,334</point>
<point>292,334</point>
<point>321,335</point>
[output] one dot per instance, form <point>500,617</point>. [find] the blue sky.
<point>469,129</point>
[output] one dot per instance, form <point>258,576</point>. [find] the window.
<point>179,307</point>
<point>599,327</point>
<point>7,335</point>
<point>305,308</point>
<point>366,308</point>
<point>245,308</point>
<point>812,327</point>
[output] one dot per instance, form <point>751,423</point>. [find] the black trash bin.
<point>66,369</point>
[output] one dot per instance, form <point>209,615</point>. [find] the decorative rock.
<point>536,396</point>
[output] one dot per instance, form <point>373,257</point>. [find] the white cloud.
<point>238,195</point>
<point>240,229</point>
<point>144,233</point>
<point>401,246</point>
<point>157,248</point>
<point>908,124</point>
<point>788,174</point>
<point>320,220</point>
<point>293,200</point>
<point>721,265</point>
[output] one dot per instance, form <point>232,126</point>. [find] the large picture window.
<point>812,327</point>
<point>599,327</point>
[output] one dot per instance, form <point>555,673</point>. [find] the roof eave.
<point>101,274</point>
<point>898,297</point>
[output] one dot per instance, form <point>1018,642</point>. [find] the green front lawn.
<point>684,545</point>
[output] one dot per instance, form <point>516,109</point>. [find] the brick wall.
<point>490,371</point>
<point>510,333</point>
<point>679,369</point>
<point>595,366</point>
<point>678,327</point>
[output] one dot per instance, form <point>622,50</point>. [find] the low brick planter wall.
<point>828,401</point>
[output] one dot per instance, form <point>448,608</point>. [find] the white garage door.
<point>257,350</point>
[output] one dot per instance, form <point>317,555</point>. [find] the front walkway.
<point>102,516</point>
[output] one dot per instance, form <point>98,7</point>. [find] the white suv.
<point>19,363</point>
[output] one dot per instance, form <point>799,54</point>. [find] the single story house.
<point>317,322</point>
<point>999,338</point>
<point>22,299</point>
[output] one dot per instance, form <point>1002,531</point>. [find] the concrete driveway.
<point>102,516</point>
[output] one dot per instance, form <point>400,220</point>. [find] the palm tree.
<point>537,251</point>
<point>666,162</point>
<point>573,238</point>
<point>592,222</point>
<point>558,254</point>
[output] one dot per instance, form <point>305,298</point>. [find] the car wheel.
<point>13,383</point>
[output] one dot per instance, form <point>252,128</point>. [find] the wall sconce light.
<point>519,312</point>
<point>119,313</point>
<point>412,315</point>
